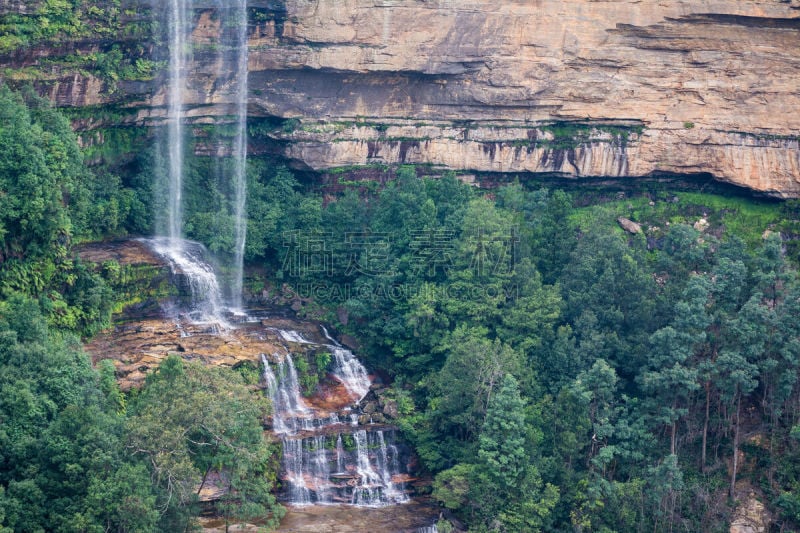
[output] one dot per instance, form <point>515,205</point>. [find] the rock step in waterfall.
<point>326,460</point>
<point>195,278</point>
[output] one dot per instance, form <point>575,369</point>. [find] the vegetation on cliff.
<point>556,371</point>
<point>76,454</point>
<point>565,373</point>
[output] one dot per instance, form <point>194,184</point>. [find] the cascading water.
<point>368,491</point>
<point>339,454</point>
<point>178,25</point>
<point>230,87</point>
<point>348,369</point>
<point>326,461</point>
<point>292,336</point>
<point>187,258</point>
<point>290,412</point>
<point>240,153</point>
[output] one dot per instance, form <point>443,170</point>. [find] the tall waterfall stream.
<point>331,456</point>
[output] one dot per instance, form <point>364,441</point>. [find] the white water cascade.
<point>187,261</point>
<point>186,258</point>
<point>348,369</point>
<point>240,153</point>
<point>179,11</point>
<point>326,461</point>
<point>290,412</point>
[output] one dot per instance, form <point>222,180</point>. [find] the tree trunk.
<point>672,446</point>
<point>203,481</point>
<point>705,427</point>
<point>736,446</point>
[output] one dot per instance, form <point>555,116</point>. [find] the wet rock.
<point>390,409</point>
<point>351,342</point>
<point>128,252</point>
<point>370,408</point>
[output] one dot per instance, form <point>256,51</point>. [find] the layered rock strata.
<point>573,88</point>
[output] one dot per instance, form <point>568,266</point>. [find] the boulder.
<point>390,409</point>
<point>629,225</point>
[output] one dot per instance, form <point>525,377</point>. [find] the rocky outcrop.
<point>696,87</point>
<point>629,225</point>
<point>571,88</point>
<point>751,516</point>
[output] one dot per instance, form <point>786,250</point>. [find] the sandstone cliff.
<point>573,88</point>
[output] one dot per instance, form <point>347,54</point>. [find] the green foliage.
<point>323,361</point>
<point>631,356</point>
<point>452,487</point>
<point>308,378</point>
<point>501,447</point>
<point>191,420</point>
<point>57,20</point>
<point>63,458</point>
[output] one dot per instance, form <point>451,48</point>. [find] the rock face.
<point>751,516</point>
<point>572,88</point>
<point>702,87</point>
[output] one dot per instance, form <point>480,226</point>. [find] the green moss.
<point>135,284</point>
<point>569,135</point>
<point>746,218</point>
<point>111,145</point>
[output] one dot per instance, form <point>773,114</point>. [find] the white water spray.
<point>186,258</point>
<point>348,369</point>
<point>178,25</point>
<point>240,153</point>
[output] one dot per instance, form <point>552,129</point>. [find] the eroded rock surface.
<point>751,516</point>
<point>646,87</point>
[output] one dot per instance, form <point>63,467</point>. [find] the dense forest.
<point>75,453</point>
<point>553,370</point>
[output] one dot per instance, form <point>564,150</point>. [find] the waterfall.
<point>339,454</point>
<point>300,494</point>
<point>326,461</point>
<point>363,476</point>
<point>350,372</point>
<point>290,412</point>
<point>240,153</point>
<point>292,336</point>
<point>320,469</point>
<point>180,14</point>
<point>348,369</point>
<point>187,259</point>
<point>178,26</point>
<point>389,466</point>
